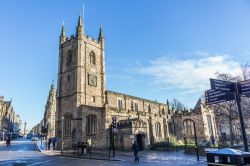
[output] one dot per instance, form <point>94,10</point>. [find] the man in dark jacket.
<point>49,142</point>
<point>8,141</point>
<point>135,148</point>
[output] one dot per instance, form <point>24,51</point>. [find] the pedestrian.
<point>8,141</point>
<point>212,140</point>
<point>135,148</point>
<point>49,142</point>
<point>54,142</point>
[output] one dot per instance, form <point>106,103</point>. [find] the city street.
<point>24,153</point>
<point>107,83</point>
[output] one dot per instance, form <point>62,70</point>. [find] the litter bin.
<point>228,157</point>
<point>83,146</point>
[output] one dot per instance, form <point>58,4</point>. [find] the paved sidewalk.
<point>41,146</point>
<point>154,156</point>
<point>145,156</point>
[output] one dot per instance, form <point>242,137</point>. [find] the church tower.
<point>81,82</point>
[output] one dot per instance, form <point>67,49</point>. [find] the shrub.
<point>162,145</point>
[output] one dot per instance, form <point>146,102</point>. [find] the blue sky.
<point>154,49</point>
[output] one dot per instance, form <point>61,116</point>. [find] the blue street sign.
<point>245,88</point>
<point>217,96</point>
<point>222,85</point>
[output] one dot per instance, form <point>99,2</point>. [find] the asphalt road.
<point>24,153</point>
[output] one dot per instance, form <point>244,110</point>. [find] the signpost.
<point>222,91</point>
<point>217,96</point>
<point>237,99</point>
<point>222,85</point>
<point>245,88</point>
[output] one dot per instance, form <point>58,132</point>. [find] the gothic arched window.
<point>92,57</point>
<point>171,128</point>
<point>119,104</point>
<point>209,123</point>
<point>70,57</point>
<point>188,127</point>
<point>67,124</point>
<point>149,109</point>
<point>165,128</point>
<point>163,111</point>
<point>91,125</point>
<point>158,129</point>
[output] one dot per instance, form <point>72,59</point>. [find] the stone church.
<point>49,113</point>
<point>85,108</point>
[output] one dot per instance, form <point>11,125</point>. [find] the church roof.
<point>155,102</point>
<point>8,103</point>
<point>198,105</point>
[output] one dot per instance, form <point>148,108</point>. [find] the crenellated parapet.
<point>92,41</point>
<point>81,36</point>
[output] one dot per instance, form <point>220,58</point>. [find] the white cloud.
<point>192,75</point>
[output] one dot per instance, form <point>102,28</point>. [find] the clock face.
<point>92,80</point>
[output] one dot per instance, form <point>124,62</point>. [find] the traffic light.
<point>114,123</point>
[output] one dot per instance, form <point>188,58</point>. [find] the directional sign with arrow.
<point>222,85</point>
<point>245,88</point>
<point>222,91</point>
<point>217,96</point>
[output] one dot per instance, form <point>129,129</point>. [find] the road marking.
<point>39,163</point>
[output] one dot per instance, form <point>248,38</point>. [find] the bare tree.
<point>245,101</point>
<point>177,105</point>
<point>226,113</point>
<point>245,71</point>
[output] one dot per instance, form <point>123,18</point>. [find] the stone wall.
<point>157,112</point>
<point>80,96</point>
<point>204,128</point>
<point>7,117</point>
<point>77,94</point>
<point>49,113</point>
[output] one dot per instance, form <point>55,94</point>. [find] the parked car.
<point>20,136</point>
<point>205,143</point>
<point>35,139</point>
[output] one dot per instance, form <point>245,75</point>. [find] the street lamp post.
<point>243,130</point>
<point>62,137</point>
<point>195,137</point>
<point>196,143</point>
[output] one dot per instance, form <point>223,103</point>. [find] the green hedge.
<point>164,145</point>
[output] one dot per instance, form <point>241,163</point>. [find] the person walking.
<point>212,140</point>
<point>54,142</point>
<point>8,141</point>
<point>135,148</point>
<point>49,142</point>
